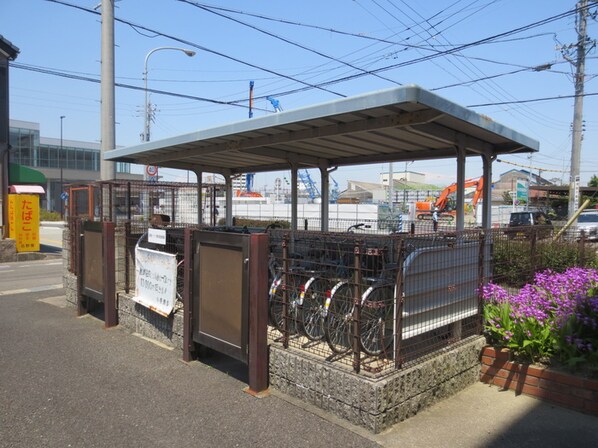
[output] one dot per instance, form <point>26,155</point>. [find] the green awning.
<point>19,174</point>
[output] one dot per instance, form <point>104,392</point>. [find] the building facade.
<point>61,161</point>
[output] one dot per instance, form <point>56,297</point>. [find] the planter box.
<point>567,390</point>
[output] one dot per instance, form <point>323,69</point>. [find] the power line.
<point>48,71</point>
<point>288,41</point>
<point>237,103</point>
<point>320,86</point>
<point>540,169</point>
<point>450,51</point>
<point>200,47</point>
<point>548,98</point>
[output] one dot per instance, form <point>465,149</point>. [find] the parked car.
<point>522,223</point>
<point>588,223</point>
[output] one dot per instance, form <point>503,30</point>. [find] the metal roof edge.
<point>344,105</point>
<point>470,116</point>
<point>409,93</point>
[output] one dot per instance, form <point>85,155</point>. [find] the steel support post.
<point>460,225</point>
<point>188,344</point>
<point>294,196</point>
<point>399,300</point>
<point>128,255</point>
<point>325,204</point>
<point>258,314</point>
<point>285,292</point>
<point>109,274</point>
<point>356,345</point>
<point>481,277</point>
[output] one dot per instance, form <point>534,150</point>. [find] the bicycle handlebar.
<point>358,226</point>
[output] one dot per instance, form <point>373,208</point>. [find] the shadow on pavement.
<point>47,249</point>
<point>225,364</point>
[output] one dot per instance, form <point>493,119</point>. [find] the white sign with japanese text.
<point>155,280</point>
<point>157,236</point>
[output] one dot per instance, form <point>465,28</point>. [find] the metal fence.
<point>138,201</point>
<point>372,301</point>
<point>375,303</point>
<point>519,252</point>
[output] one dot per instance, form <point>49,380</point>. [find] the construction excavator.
<point>445,204</point>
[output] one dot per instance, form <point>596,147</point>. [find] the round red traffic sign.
<point>151,170</point>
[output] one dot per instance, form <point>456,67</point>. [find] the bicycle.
<point>294,282</point>
<point>376,324</point>
<point>306,289</point>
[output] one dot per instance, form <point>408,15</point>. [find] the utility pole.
<point>107,168</point>
<point>582,41</point>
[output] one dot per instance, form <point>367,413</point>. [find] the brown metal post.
<point>285,293</point>
<point>481,279</point>
<point>357,309</point>
<point>109,273</point>
<point>90,201</point>
<point>173,203</point>
<point>188,344</point>
<point>532,252</point>
<point>258,313</point>
<point>127,254</point>
<point>129,201</point>
<point>399,300</point>
<point>581,249</point>
<point>110,204</point>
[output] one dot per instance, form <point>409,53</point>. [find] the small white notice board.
<point>155,280</point>
<point>157,236</point>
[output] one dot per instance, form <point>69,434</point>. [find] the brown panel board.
<point>221,292</point>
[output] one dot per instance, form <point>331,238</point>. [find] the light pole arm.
<point>147,112</point>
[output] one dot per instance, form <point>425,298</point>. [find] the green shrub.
<point>515,265</point>
<point>45,215</point>
<point>240,222</point>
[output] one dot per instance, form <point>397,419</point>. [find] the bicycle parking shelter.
<point>400,124</point>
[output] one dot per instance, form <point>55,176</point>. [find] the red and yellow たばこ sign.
<point>23,221</point>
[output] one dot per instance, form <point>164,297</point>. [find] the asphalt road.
<point>67,382</point>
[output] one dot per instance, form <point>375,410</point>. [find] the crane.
<point>334,191</point>
<point>310,185</point>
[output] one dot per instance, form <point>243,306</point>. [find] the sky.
<point>508,59</point>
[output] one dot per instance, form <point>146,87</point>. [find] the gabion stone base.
<point>69,281</point>
<point>139,319</point>
<point>8,250</point>
<point>375,404</point>
<point>136,318</point>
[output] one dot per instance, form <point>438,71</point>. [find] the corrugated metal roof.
<point>400,124</point>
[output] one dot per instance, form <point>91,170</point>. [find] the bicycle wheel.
<point>377,317</point>
<point>275,309</point>
<point>312,313</point>
<point>337,325</point>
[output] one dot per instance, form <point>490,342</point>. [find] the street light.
<point>147,112</point>
<point>62,117</point>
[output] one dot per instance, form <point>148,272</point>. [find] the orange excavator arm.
<point>443,199</point>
